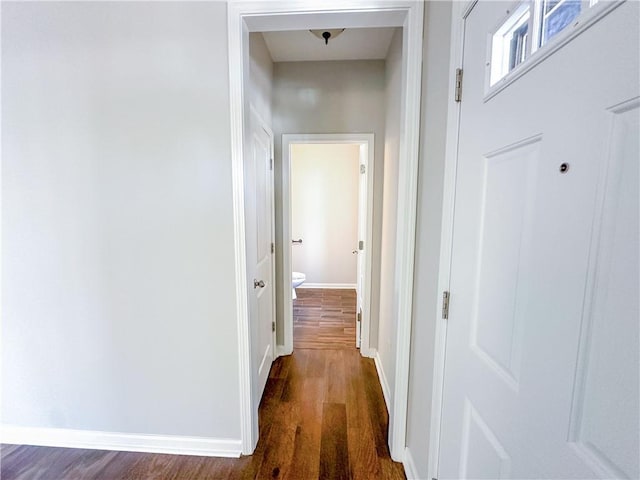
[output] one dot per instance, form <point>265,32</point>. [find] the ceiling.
<point>352,44</point>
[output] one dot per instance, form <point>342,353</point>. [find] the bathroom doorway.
<point>327,217</point>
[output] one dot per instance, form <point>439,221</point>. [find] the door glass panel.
<point>509,43</point>
<point>556,16</point>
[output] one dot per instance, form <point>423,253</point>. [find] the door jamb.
<point>366,139</point>
<point>460,11</point>
<point>284,15</point>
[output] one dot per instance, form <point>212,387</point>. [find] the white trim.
<point>367,139</point>
<point>341,286</point>
<point>296,15</point>
<point>409,465</point>
<point>459,13</point>
<point>281,351</point>
<point>237,34</point>
<point>466,11</point>
<point>383,379</point>
<point>407,215</point>
<point>126,442</point>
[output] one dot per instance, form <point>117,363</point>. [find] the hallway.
<point>322,416</point>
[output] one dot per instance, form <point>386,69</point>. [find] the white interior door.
<point>362,234</point>
<point>542,367</point>
<point>263,283</point>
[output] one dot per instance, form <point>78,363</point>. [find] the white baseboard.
<point>282,351</point>
<point>409,465</point>
<point>351,286</point>
<point>126,442</point>
<point>383,381</point>
<point>368,352</point>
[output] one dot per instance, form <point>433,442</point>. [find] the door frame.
<point>361,139</point>
<point>460,11</point>
<point>246,16</point>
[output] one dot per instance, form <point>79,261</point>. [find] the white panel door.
<point>263,283</point>
<point>542,367</point>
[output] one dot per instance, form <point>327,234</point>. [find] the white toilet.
<point>297,279</point>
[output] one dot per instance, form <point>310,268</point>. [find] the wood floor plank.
<point>316,364</point>
<point>336,382</point>
<point>378,415</point>
<point>126,466</point>
<point>279,368</point>
<point>304,463</point>
<point>26,462</point>
<point>280,444</point>
<point>86,463</point>
<point>364,461</point>
<point>334,452</point>
<point>292,389</point>
<point>357,416</point>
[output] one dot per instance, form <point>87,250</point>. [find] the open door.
<point>263,318</point>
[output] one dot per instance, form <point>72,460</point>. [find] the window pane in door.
<point>509,43</point>
<point>556,16</point>
<point>518,45</point>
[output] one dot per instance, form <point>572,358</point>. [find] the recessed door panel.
<point>606,405</point>
<point>482,454</point>
<point>508,199</point>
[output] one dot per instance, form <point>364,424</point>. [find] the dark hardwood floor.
<point>322,416</point>
<point>324,318</point>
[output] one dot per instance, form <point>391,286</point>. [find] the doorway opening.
<point>247,17</point>
<point>337,264</point>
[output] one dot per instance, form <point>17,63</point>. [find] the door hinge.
<point>273,326</point>
<point>273,247</point>
<point>363,169</point>
<point>445,305</point>
<point>361,245</point>
<point>271,164</point>
<point>458,84</point>
<point>359,316</point>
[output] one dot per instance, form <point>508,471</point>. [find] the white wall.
<point>387,330</point>
<point>117,232</point>
<point>436,96</point>
<point>330,97</point>
<point>324,212</point>
<point>261,74</point>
